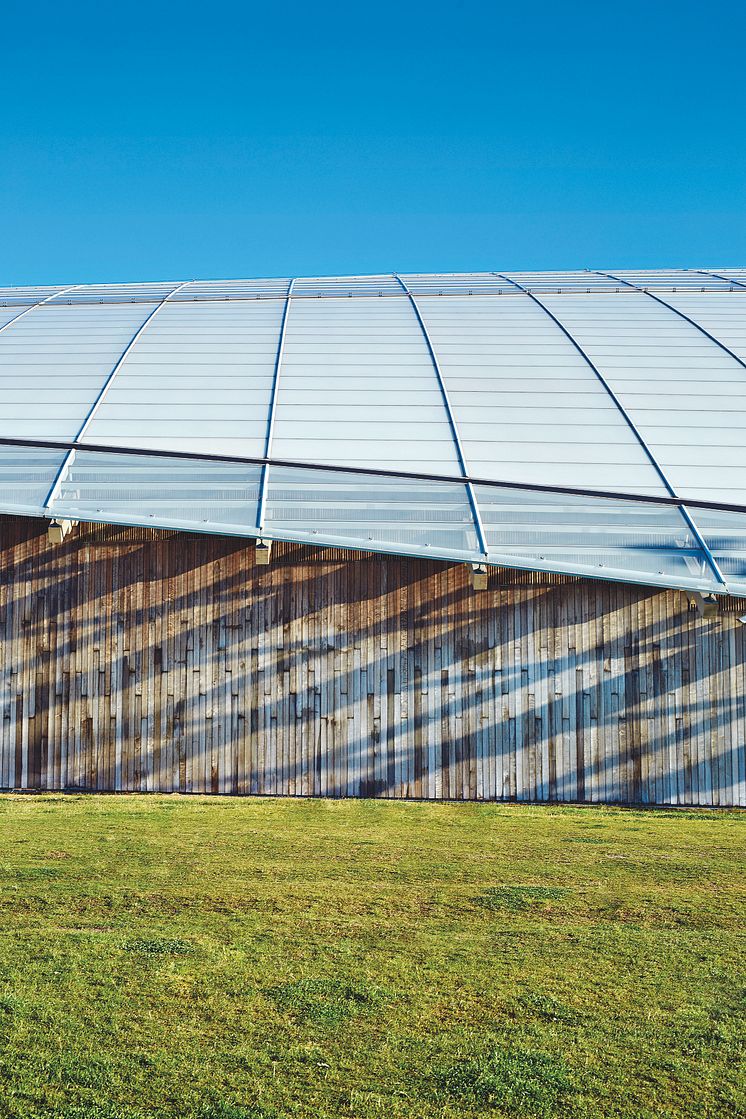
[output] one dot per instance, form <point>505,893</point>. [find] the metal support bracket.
<point>479,576</point>
<point>57,530</point>
<point>707,605</point>
<point>263,552</point>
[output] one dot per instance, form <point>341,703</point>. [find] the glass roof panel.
<point>26,476</point>
<point>524,398</point>
<point>672,380</point>
<point>610,539</point>
<point>161,492</point>
<point>55,361</point>
<point>363,357</point>
<point>199,378</point>
<point>372,513</point>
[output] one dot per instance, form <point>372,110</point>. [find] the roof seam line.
<point>264,482</point>
<point>719,276</point>
<point>473,503</point>
<point>675,311</point>
<point>599,375</point>
<point>669,307</point>
<point>408,475</point>
<point>712,563</point>
<point>69,457</point>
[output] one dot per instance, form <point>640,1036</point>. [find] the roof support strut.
<point>719,276</point>
<point>675,311</point>
<point>476,515</point>
<point>264,483</point>
<point>701,543</point>
<point>70,456</point>
<point>33,306</point>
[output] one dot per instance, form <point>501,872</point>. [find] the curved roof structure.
<point>584,422</point>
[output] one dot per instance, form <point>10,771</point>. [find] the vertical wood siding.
<point>136,660</point>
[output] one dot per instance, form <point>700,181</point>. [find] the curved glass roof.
<point>587,422</point>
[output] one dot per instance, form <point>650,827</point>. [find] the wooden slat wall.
<point>136,660</point>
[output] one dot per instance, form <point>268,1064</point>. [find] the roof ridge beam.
<point>711,561</point>
<point>264,482</point>
<point>475,511</point>
<point>70,456</point>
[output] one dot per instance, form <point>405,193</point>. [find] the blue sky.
<point>230,139</point>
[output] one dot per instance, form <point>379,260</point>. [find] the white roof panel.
<point>503,431</point>
<point>199,378</point>
<point>636,341</point>
<point>448,409</point>
<point>40,349</point>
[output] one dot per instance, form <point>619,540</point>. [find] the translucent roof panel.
<point>161,492</point>
<point>115,293</point>
<point>578,282</point>
<point>666,280</point>
<point>231,289</point>
<point>526,403</point>
<point>7,314</point>
<point>346,286</point>
<point>373,513</point>
<point>13,297</point>
<point>26,477</point>
<point>198,378</point>
<point>672,381</point>
<point>723,315</point>
<point>735,276</point>
<point>579,380</point>
<point>607,538</point>
<point>725,535</point>
<point>358,387</point>
<point>55,360</point>
<point>467,283</point>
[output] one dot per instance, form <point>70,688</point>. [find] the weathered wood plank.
<point>137,660</point>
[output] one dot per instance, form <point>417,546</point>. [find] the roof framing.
<point>712,562</point>
<point>264,483</point>
<point>54,488</point>
<point>473,503</point>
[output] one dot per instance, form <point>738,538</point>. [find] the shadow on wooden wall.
<point>132,659</point>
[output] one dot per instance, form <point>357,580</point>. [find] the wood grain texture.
<point>137,660</point>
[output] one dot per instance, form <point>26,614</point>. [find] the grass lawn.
<point>214,958</point>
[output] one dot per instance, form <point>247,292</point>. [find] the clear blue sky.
<point>160,141</point>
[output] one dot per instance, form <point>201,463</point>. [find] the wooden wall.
<point>138,660</point>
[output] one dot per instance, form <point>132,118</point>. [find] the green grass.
<point>214,958</point>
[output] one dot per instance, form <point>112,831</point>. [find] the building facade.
<point>446,536</point>
<point>137,660</point>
